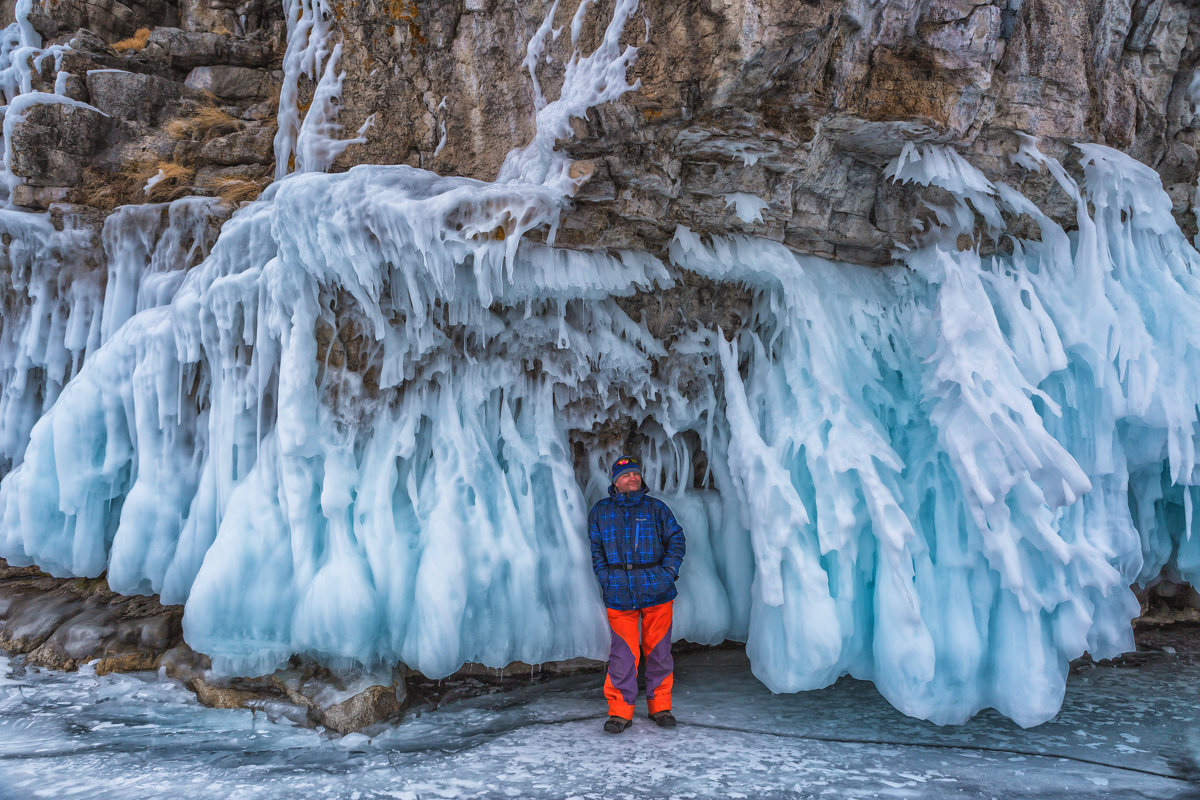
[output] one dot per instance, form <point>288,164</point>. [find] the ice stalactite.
<point>49,319</point>
<point>936,465</point>
<point>148,250</point>
<point>59,306</point>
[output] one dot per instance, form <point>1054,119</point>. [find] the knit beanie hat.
<point>625,464</point>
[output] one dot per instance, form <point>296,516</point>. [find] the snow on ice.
<point>350,430</point>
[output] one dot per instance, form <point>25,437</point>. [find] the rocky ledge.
<point>799,106</point>
<point>61,624</point>
<point>162,101</point>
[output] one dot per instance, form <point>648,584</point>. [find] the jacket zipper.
<point>636,531</point>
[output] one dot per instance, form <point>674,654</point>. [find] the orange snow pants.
<point>620,686</point>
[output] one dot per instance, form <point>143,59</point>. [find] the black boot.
<point>663,719</point>
<point>617,724</point>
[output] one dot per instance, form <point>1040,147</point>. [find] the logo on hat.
<point>625,464</point>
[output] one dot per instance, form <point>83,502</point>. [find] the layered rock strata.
<point>161,112</point>
<point>797,106</point>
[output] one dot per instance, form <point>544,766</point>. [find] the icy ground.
<point>1125,731</point>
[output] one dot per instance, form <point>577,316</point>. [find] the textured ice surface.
<point>1124,732</point>
<point>310,141</point>
<point>359,428</point>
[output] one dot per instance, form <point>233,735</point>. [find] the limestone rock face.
<point>188,49</point>
<point>233,83</point>
<point>110,19</point>
<point>237,17</point>
<point>154,82</point>
<point>799,105</point>
<point>53,142</point>
<point>251,146</point>
<point>135,97</point>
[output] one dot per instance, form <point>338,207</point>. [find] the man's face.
<point>628,482</point>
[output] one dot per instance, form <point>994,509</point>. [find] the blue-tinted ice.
<point>942,476</point>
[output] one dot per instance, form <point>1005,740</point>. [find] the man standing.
<point>637,547</point>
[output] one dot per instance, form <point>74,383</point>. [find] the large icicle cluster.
<point>945,469</point>
<point>71,306</point>
<point>364,426</point>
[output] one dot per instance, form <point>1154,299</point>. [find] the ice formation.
<point>748,207</point>
<point>359,427</point>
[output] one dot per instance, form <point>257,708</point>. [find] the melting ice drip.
<point>350,431</point>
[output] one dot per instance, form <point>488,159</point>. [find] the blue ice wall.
<point>350,430</point>
<point>942,476</point>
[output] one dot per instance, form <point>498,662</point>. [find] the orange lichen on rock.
<point>400,9</point>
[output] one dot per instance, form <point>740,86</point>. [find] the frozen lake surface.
<point>1128,730</point>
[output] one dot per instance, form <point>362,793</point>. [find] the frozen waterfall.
<point>363,425</point>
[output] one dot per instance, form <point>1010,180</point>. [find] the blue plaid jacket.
<point>639,532</point>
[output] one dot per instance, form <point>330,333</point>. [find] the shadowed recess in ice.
<point>363,427</point>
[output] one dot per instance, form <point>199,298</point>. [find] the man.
<point>637,547</point>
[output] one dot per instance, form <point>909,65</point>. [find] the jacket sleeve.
<point>599,560</point>
<point>673,544</point>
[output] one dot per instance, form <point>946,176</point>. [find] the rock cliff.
<point>792,107</point>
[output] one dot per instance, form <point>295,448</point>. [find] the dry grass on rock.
<point>236,190</point>
<point>136,182</point>
<point>204,123</point>
<point>136,42</point>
